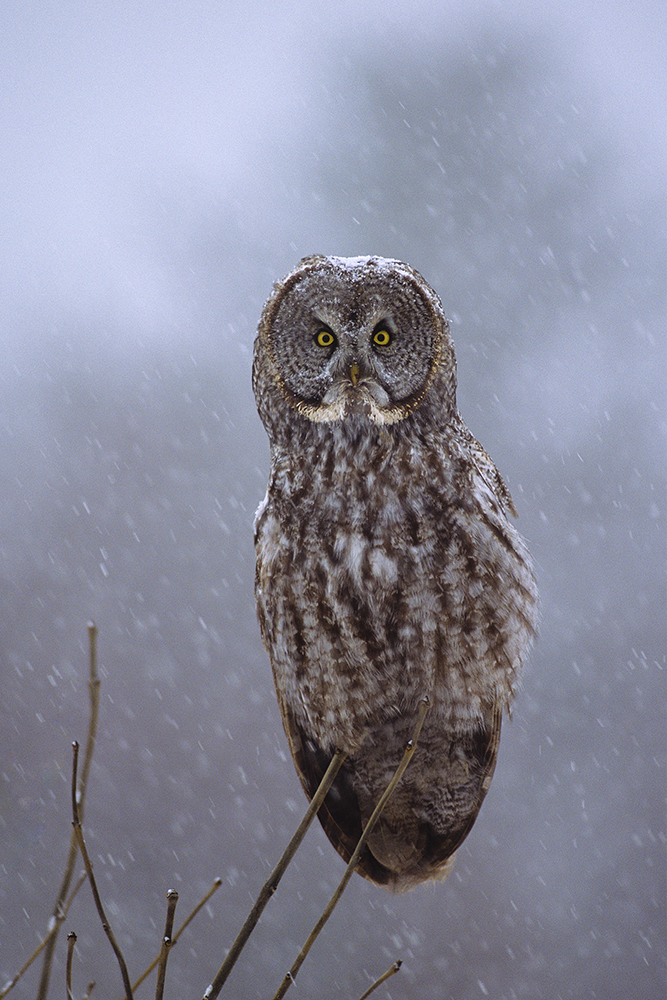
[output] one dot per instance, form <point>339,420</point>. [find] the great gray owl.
<point>387,568</point>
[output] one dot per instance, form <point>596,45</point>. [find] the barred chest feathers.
<point>377,563</point>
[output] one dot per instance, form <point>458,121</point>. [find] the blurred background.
<point>161,166</point>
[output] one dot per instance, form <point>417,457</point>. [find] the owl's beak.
<point>354,373</point>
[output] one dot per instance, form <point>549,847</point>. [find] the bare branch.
<point>172,900</point>
<point>55,922</point>
<point>391,971</point>
<point>71,941</point>
<point>77,843</point>
<point>91,878</point>
<point>50,940</point>
<point>214,888</point>
<point>94,693</point>
<point>274,878</point>
<point>310,940</point>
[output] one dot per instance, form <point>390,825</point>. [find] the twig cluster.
<point>67,892</point>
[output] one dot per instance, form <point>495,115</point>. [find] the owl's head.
<point>343,336</point>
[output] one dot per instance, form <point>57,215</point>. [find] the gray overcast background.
<point>161,166</point>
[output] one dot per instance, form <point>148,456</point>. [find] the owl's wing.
<point>339,814</point>
<point>434,808</point>
<point>486,467</point>
<point>408,845</point>
<point>467,770</point>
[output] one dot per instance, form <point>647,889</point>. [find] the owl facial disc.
<point>364,337</point>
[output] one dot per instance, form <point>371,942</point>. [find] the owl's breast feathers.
<point>390,570</point>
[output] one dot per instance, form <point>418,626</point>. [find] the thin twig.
<point>391,971</point>
<point>94,691</point>
<point>56,921</point>
<point>172,900</point>
<point>91,987</point>
<point>214,888</point>
<point>274,878</point>
<point>310,940</point>
<point>71,941</point>
<point>50,940</point>
<point>76,823</point>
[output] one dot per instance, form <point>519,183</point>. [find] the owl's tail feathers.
<point>339,814</point>
<point>428,817</point>
<point>398,855</point>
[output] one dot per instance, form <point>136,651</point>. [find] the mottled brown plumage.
<point>387,568</point>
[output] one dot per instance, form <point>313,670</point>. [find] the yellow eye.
<point>325,338</point>
<point>382,337</point>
